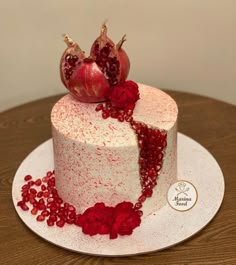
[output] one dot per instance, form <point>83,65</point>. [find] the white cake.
<point>96,159</point>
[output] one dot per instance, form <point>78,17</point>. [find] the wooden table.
<point>210,122</point>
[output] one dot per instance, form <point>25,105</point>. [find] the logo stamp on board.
<point>182,195</point>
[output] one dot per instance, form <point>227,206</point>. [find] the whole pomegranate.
<point>90,79</point>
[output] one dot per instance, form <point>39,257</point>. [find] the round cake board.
<point>199,193</point>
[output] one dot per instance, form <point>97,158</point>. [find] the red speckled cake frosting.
<point>96,160</point>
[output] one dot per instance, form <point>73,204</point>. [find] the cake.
<point>114,142</point>
<point>101,156</point>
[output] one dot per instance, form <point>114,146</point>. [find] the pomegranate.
<point>111,59</point>
<point>90,79</point>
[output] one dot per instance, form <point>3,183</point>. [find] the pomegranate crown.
<point>91,79</point>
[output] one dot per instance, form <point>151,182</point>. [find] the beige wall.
<point>187,45</point>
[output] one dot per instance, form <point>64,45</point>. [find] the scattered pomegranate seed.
<point>45,179</point>
<point>142,198</point>
<point>46,194</point>
<point>49,173</point>
<point>40,218</point>
<point>105,115</point>
<point>34,211</point>
<point>43,187</point>
<point>99,107</point>
<point>45,213</point>
<point>31,183</point>
<point>50,222</point>
<point>60,223</point>
<point>20,203</point>
<point>53,218</point>
<point>138,205</point>
<point>25,187</point>
<point>33,191</point>
<point>38,182</point>
<point>24,207</point>
<point>39,194</point>
<point>27,177</point>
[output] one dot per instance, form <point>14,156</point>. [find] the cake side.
<point>96,160</point>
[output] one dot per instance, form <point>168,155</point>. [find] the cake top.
<point>80,121</point>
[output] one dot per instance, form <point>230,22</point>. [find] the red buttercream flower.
<point>125,219</point>
<point>101,219</point>
<point>96,220</point>
<point>125,95</point>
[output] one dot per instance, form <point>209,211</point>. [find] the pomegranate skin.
<point>124,65</point>
<point>88,84</point>
<point>72,50</point>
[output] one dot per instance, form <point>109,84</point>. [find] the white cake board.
<point>163,229</point>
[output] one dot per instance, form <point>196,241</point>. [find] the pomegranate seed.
<point>140,213</point>
<point>45,179</point>
<point>32,200</point>
<point>33,191</point>
<point>99,107</point>
<point>53,208</point>
<point>72,215</point>
<point>34,211</point>
<point>31,196</point>
<point>148,192</point>
<point>24,207</point>
<point>50,222</point>
<point>39,194</point>
<point>31,183</point>
<point>43,187</point>
<point>105,115</point>
<point>42,206</point>
<point>54,191</point>
<point>25,187</point>
<point>60,223</point>
<point>129,118</point>
<point>53,218</point>
<point>137,206</point>
<point>41,201</point>
<point>129,112</point>
<point>59,200</point>
<point>142,198</point>
<point>114,114</point>
<point>70,221</point>
<point>20,203</point>
<point>121,118</point>
<point>60,214</point>
<point>71,208</point>
<point>50,199</point>
<point>38,182</point>
<point>26,198</point>
<point>46,194</point>
<point>25,193</point>
<point>35,204</point>
<point>49,173</point>
<point>40,218</point>
<point>27,177</point>
<point>45,213</point>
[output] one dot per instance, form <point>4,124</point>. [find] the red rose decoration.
<point>101,219</point>
<point>125,95</point>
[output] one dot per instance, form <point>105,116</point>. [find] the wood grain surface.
<point>210,122</point>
